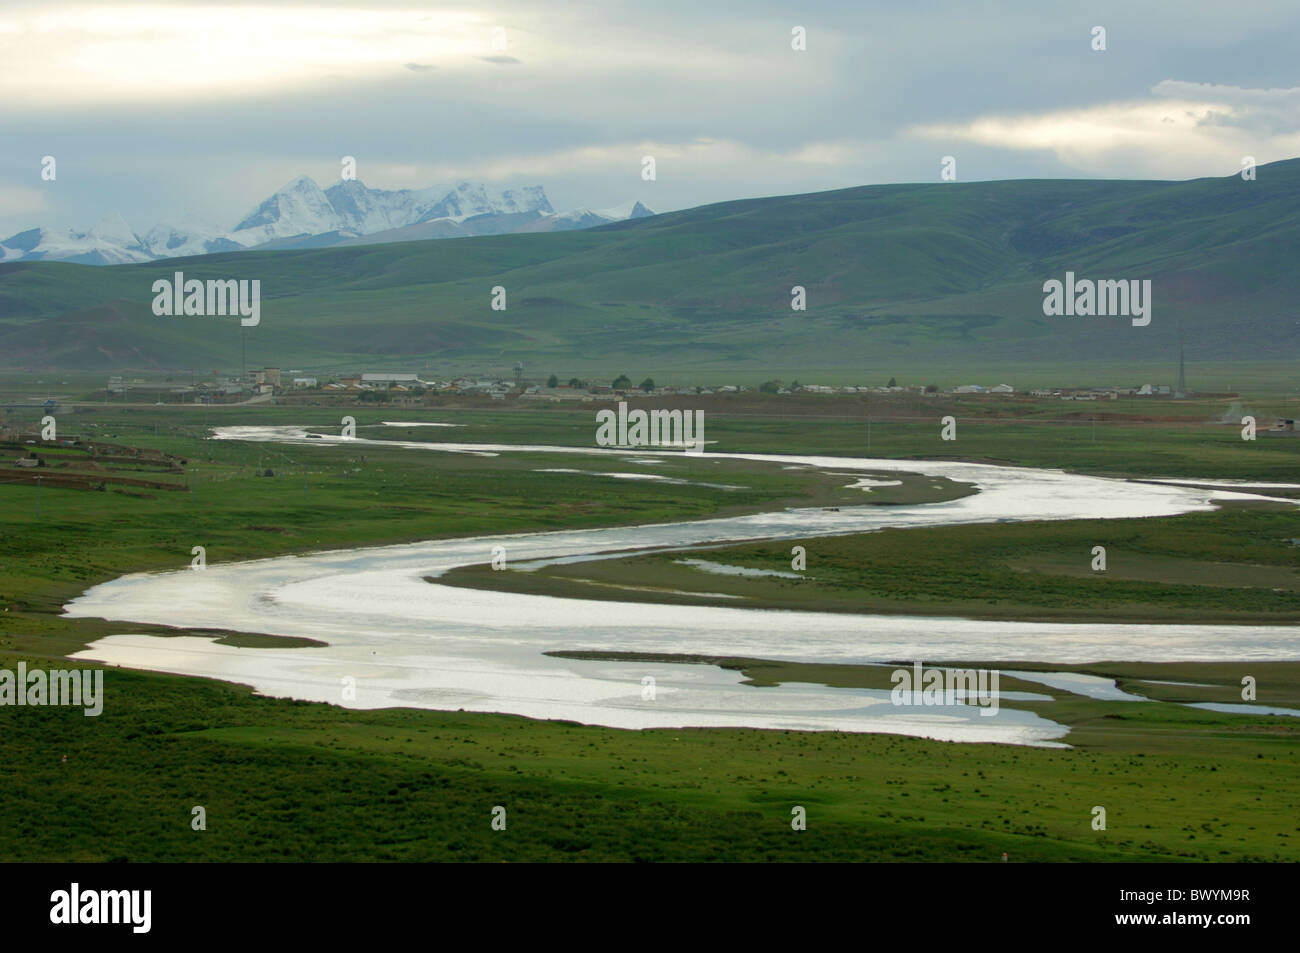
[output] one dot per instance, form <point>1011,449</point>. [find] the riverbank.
<point>286,780</point>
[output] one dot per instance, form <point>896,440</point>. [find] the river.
<point>395,639</point>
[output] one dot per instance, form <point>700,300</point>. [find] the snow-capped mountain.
<point>300,208</point>
<point>303,215</point>
<point>188,237</point>
<point>349,210</point>
<point>111,242</point>
<point>586,218</point>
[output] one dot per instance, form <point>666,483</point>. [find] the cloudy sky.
<point>187,110</point>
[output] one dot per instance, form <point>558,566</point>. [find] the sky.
<point>197,111</point>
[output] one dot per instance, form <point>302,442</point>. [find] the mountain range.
<point>303,215</point>
<point>934,282</point>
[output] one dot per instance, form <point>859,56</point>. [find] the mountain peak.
<point>627,210</point>
<point>301,213</point>
<point>299,183</point>
<point>114,228</point>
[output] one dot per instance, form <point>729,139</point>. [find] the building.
<point>300,382</point>
<point>388,380</point>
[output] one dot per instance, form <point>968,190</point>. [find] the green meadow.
<point>1240,564</point>
<point>284,780</point>
<point>932,283</point>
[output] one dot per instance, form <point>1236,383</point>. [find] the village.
<point>399,388</point>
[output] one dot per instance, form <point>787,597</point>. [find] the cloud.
<point>1273,111</point>
<point>17,200</point>
<point>1181,128</point>
<point>152,52</point>
<point>159,105</point>
<point>79,54</point>
<point>699,156</point>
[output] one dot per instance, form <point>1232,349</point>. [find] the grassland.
<point>905,280</point>
<point>294,781</point>
<point>1127,437</point>
<point>287,781</point>
<point>1238,565</point>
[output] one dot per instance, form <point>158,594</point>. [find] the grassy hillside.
<point>905,278</point>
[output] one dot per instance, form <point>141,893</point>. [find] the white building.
<point>386,380</point>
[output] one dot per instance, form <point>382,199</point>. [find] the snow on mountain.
<point>301,214</point>
<point>111,242</point>
<point>621,213</point>
<point>564,221</point>
<point>188,237</point>
<point>587,218</point>
<point>350,209</point>
<point>370,210</point>
<point>300,208</point>
<point>113,230</point>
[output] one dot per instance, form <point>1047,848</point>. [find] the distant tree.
<point>794,385</point>
<point>574,382</point>
<point>769,387</point>
<point>893,382</point>
<point>932,388</point>
<point>621,382</point>
<point>648,384</point>
<point>553,382</point>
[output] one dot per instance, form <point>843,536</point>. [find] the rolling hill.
<point>915,277</point>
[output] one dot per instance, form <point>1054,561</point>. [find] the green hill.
<point>914,279</point>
